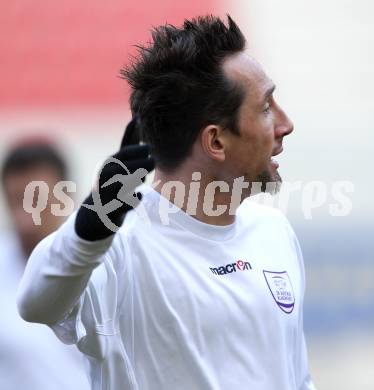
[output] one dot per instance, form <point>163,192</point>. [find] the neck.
<point>199,194</point>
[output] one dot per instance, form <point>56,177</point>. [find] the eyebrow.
<point>268,93</point>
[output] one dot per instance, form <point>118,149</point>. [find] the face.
<point>14,187</point>
<point>262,125</point>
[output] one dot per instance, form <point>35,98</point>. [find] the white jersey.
<point>30,355</point>
<point>188,305</point>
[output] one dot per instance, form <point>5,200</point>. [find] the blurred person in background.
<point>30,356</point>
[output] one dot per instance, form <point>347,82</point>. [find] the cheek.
<point>270,143</point>
<point>261,147</point>
<point>267,138</point>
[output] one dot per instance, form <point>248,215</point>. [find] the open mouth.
<point>274,162</point>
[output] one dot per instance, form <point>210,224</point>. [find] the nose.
<point>283,125</point>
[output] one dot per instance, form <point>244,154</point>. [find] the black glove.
<point>103,211</point>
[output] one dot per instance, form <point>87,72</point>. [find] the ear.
<point>213,142</point>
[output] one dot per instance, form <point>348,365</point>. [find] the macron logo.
<point>240,265</point>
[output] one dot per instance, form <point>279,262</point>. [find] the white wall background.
<point>321,56</point>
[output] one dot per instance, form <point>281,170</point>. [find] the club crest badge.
<point>280,286</point>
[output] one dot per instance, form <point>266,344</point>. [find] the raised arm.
<point>60,266</point>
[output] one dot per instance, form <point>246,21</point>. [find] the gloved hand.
<point>103,211</point>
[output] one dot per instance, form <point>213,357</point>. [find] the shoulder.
<point>254,210</point>
<point>143,221</point>
<point>271,223</point>
<point>253,214</point>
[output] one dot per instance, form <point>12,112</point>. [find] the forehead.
<point>245,70</point>
<point>17,180</point>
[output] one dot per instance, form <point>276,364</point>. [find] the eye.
<point>268,105</point>
<point>267,108</point>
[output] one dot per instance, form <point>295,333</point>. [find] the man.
<point>191,292</point>
<point>30,356</point>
